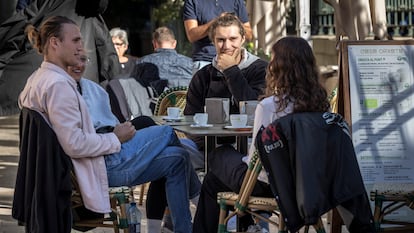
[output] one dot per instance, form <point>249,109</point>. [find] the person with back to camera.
<point>124,157</point>
<point>198,16</point>
<point>292,85</point>
<point>120,40</point>
<point>172,66</point>
<point>175,68</point>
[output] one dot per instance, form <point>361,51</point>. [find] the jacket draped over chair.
<point>42,196</point>
<point>312,168</point>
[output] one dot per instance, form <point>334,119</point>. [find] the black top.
<point>312,167</point>
<point>43,190</point>
<point>128,67</point>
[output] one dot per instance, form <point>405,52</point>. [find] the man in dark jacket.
<point>234,73</point>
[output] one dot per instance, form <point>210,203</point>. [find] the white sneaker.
<point>254,228</point>
<point>257,229</point>
<point>167,225</point>
<point>264,230</point>
<point>232,224</point>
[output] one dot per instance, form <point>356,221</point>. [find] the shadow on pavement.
<point>9,159</point>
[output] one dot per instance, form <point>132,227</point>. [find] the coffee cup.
<point>200,118</point>
<point>173,112</point>
<point>238,120</point>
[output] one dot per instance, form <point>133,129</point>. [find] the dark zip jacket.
<point>312,168</point>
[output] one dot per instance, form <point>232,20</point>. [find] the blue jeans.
<point>156,198</point>
<point>153,153</point>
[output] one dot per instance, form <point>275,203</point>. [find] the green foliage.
<point>258,52</point>
<point>168,11</point>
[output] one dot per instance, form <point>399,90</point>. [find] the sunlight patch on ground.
<point>5,210</point>
<point>2,164</point>
<point>6,192</point>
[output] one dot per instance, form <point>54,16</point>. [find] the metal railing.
<point>325,19</point>
<point>400,17</point>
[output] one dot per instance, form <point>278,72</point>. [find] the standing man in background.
<point>172,66</point>
<point>198,16</point>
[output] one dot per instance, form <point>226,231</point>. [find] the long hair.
<point>293,76</point>
<point>51,27</point>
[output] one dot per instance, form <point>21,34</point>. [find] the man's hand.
<point>225,61</point>
<point>124,131</point>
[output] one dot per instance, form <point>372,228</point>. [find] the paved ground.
<point>9,157</point>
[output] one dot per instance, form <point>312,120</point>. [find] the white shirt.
<point>264,115</point>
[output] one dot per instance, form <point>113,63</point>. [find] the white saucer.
<point>201,126</point>
<point>167,118</point>
<point>247,127</point>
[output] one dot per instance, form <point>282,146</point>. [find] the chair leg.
<point>377,213</point>
<point>222,226</point>
<point>282,226</point>
<point>141,194</point>
<point>121,199</point>
<point>114,216</point>
<point>319,227</point>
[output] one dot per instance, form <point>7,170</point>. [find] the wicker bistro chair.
<point>85,220</point>
<point>394,196</point>
<point>173,97</point>
<point>243,202</point>
<point>35,136</point>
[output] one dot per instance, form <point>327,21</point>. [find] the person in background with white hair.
<point>120,40</point>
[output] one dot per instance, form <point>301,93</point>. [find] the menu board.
<point>380,108</point>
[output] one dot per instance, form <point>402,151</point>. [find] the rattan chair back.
<point>173,97</point>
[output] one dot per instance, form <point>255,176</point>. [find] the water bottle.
<point>134,218</point>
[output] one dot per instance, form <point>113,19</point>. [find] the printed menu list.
<point>381,85</point>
